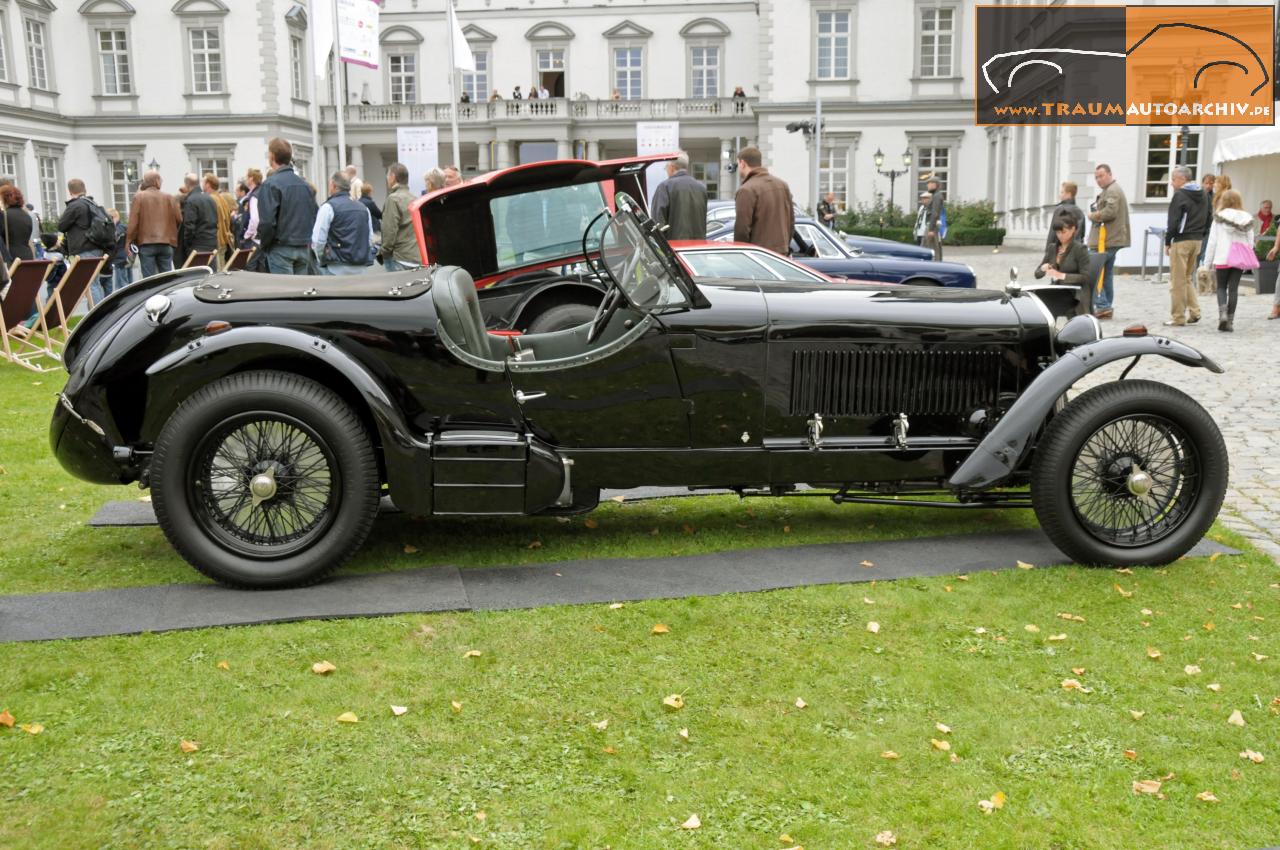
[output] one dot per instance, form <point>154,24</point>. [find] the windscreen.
<point>635,266</point>
<point>543,225</point>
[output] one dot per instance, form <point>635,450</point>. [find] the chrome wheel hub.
<point>1139,482</point>
<point>263,486</point>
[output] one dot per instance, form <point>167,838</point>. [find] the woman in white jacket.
<point>1232,226</point>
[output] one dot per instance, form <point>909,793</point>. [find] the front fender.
<point>1000,452</point>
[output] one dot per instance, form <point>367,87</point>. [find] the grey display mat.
<point>48,616</point>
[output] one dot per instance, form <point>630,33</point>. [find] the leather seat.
<point>453,292</point>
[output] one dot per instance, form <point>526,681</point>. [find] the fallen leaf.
<point>660,629</point>
<point>1079,671</point>
<point>890,755</point>
<point>1060,637</point>
<point>955,759</point>
<point>1131,755</point>
<point>188,746</point>
<point>962,578</point>
<point>800,703</point>
<point>1074,685</point>
<point>1236,718</point>
<point>1153,653</point>
<point>1032,627</point>
<point>618,499</point>
<point>1137,715</point>
<point>1209,626</point>
<point>455,705</point>
<point>1252,756</point>
<point>1257,657</point>
<point>536,544</point>
<point>410,549</point>
<point>1146,786</point>
<point>686,528</point>
<point>481,815</point>
<point>1208,796</point>
<point>947,588</point>
<point>602,725</point>
<point>6,719</point>
<point>1075,618</point>
<point>591,522</point>
<point>694,822</point>
<point>472,653</point>
<point>614,606</point>
<point>886,838</point>
<point>1147,612</point>
<point>1238,605</point>
<point>1215,687</point>
<point>609,751</point>
<point>1023,565</point>
<point>867,564</point>
<point>222,665</point>
<point>1191,670</point>
<point>684,733</point>
<point>986,806</point>
<point>31,728</point>
<point>1124,571</point>
<point>397,710</point>
<point>943,728</point>
<point>873,627</point>
<point>348,717</point>
<point>868,601</point>
<point>998,799</point>
<point>944,746</point>
<point>1120,590</point>
<point>323,668</point>
<point>786,529</point>
<point>786,839</point>
<point>979,631</point>
<point>674,702</point>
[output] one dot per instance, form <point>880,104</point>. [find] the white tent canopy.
<point>1252,160</point>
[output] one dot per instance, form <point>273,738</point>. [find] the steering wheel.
<point>612,301</point>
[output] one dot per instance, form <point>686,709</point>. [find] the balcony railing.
<point>553,109</point>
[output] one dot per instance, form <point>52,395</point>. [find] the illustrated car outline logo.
<point>986,70</point>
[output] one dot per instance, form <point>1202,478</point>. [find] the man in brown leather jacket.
<point>153,226</point>
<point>765,214</point>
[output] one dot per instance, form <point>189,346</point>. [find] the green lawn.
<point>275,769</point>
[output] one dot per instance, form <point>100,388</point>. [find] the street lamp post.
<point>892,174</point>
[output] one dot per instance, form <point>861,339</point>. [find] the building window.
<point>113,52</point>
<point>551,59</point>
<point>937,39</point>
<point>1163,154</point>
<point>206,61</point>
<point>833,172</point>
<point>402,71</point>
<point>707,173</point>
<point>627,72</point>
<point>704,63</point>
<point>37,56</point>
<point>476,83</point>
<point>833,45</point>
<point>124,183</point>
<point>932,160</point>
<point>4,49</point>
<point>47,169</point>
<point>297,66</point>
<point>9,165</point>
<point>220,166</point>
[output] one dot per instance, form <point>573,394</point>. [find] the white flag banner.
<point>320,20</point>
<point>418,149</point>
<point>358,32</point>
<point>656,137</point>
<point>463,59</point>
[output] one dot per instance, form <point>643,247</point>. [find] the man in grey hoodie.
<point>1187,226</point>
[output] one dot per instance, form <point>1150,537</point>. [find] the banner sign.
<point>418,149</point>
<point>656,137</point>
<point>358,32</point>
<point>1126,65</point>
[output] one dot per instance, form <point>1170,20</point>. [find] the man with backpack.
<point>88,231</point>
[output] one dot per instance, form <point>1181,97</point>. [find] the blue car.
<point>718,212</point>
<point>827,253</point>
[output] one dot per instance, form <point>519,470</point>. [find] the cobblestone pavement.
<point>1245,400</point>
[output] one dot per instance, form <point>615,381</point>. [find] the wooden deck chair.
<point>72,289</point>
<point>239,260</point>
<point>21,345</point>
<point>199,258</point>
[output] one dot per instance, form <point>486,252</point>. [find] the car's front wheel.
<point>1129,473</point>
<point>265,479</point>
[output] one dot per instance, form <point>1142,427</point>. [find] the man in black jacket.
<point>74,223</point>
<point>680,202</point>
<point>199,222</point>
<point>1066,208</point>
<point>286,213</point>
<point>1188,223</point>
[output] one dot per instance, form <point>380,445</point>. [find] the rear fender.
<point>1001,451</point>
<point>174,376</point>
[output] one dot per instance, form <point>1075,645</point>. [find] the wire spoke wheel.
<point>264,484</point>
<point>1135,480</point>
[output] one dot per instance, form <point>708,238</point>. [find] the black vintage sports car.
<point>268,414</point>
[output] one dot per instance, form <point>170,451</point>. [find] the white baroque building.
<point>103,89</point>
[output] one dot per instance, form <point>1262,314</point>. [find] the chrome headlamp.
<point>155,307</point>
<point>1078,331</point>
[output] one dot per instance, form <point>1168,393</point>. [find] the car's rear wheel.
<point>265,479</point>
<point>1129,473</point>
<point>562,317</point>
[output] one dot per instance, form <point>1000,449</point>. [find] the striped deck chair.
<point>239,260</point>
<point>199,258</point>
<point>21,345</point>
<point>73,288</point>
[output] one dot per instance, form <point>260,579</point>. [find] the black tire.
<point>562,317</point>
<point>1087,463</point>
<point>290,430</point>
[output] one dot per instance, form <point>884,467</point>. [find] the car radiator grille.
<point>884,381</point>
